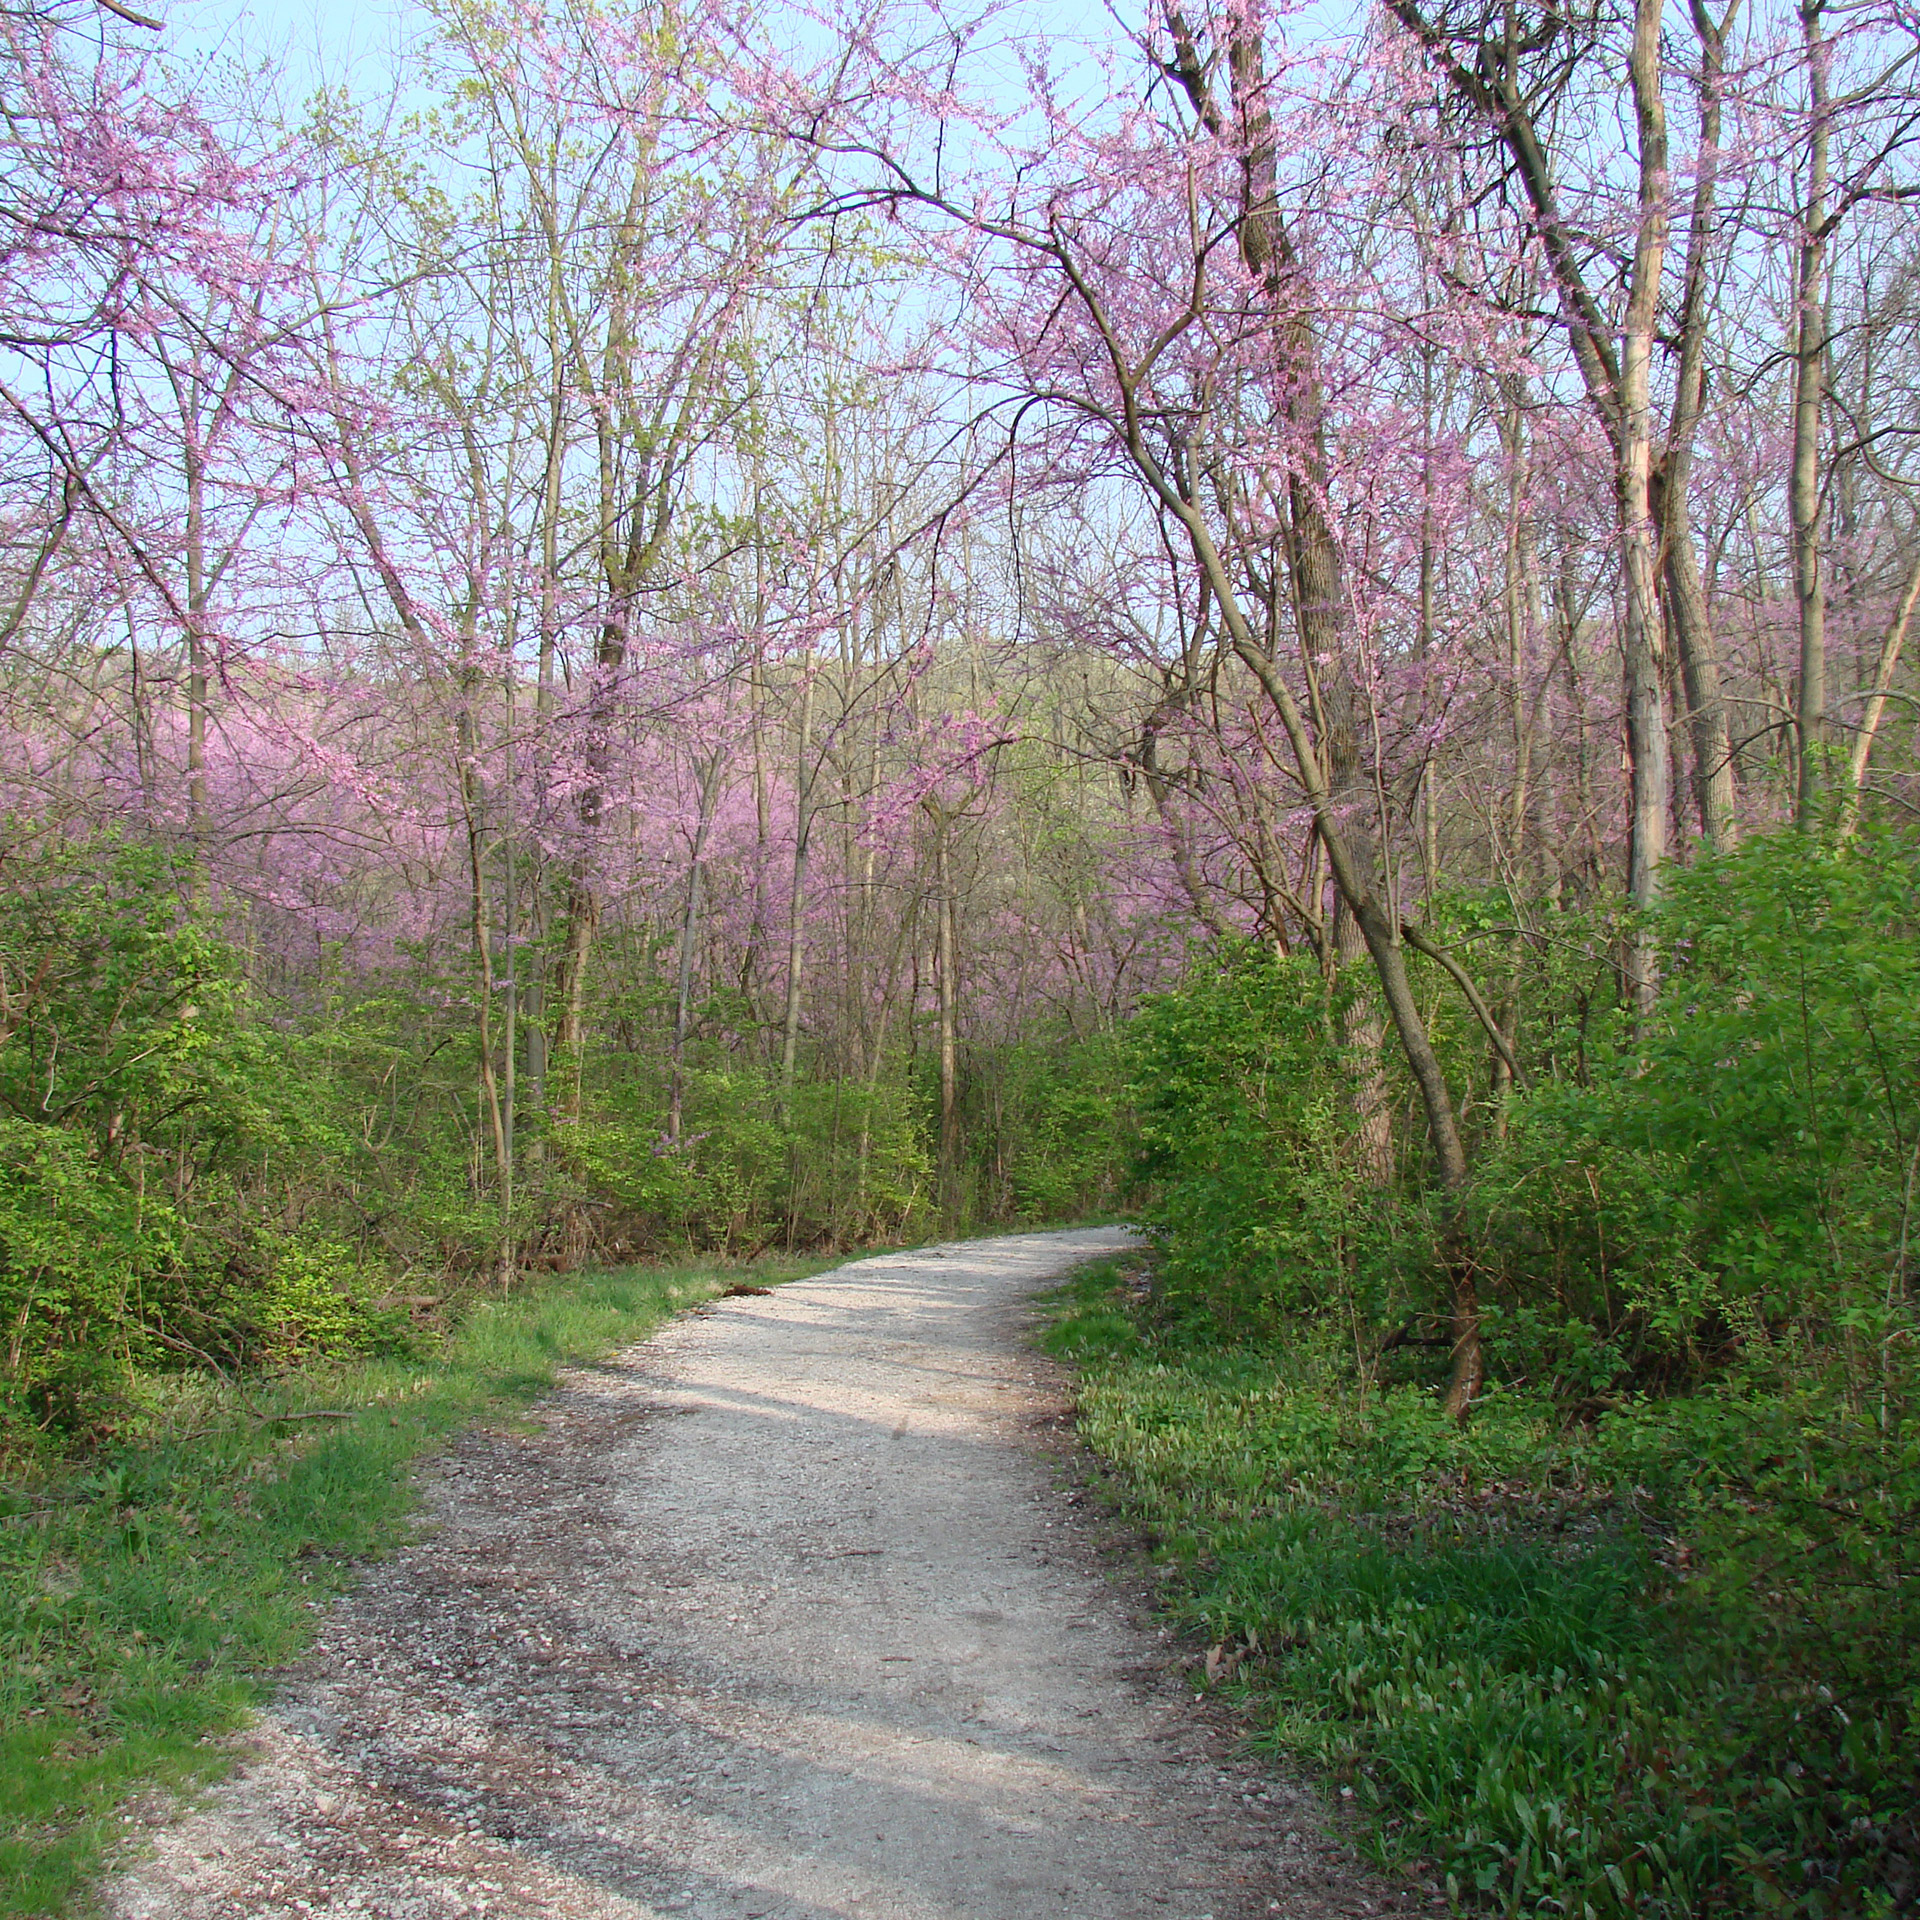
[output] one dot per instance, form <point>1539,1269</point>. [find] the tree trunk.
<point>1319,609</point>
<point>689,933</point>
<point>1714,791</point>
<point>797,895</point>
<point>510,1038</point>
<point>1650,766</point>
<point>198,678</point>
<point>472,808</point>
<point>1883,671</point>
<point>1179,837</point>
<point>538,1038</point>
<point>1804,495</point>
<point>947,991</point>
<point>1618,388</point>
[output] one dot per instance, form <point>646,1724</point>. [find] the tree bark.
<point>1883,671</point>
<point>1312,552</point>
<point>797,895</point>
<point>947,991</point>
<point>1319,608</point>
<point>1648,748</point>
<point>1617,384</point>
<point>1804,493</point>
<point>689,933</point>
<point>1714,792</point>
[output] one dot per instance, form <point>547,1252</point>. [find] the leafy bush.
<point>74,1245</point>
<point>1741,1169</point>
<point>139,1091</point>
<point>1644,1637</point>
<point>1247,1150</point>
<point>1050,1127</point>
<point>847,1163</point>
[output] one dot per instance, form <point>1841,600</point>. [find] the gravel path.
<point>786,1613</point>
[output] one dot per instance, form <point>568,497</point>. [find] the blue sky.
<point>360,44</point>
<point>332,40</point>
<point>317,41</point>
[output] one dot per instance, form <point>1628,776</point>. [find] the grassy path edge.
<point>148,1594</point>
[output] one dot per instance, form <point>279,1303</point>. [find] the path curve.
<point>780,1615</point>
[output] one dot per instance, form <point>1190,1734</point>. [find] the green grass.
<point>147,1593</point>
<point>1481,1636</point>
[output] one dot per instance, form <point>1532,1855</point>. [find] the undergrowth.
<point>1577,1669</point>
<point>147,1592</point>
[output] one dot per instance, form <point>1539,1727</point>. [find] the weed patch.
<point>1499,1639</point>
<point>146,1595</point>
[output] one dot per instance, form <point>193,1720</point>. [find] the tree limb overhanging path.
<point>778,1616</point>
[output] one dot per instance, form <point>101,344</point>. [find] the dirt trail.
<point>782,1614</point>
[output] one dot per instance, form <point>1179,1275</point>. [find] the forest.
<point>674,628</point>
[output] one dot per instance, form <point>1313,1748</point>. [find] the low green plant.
<point>147,1591</point>
<point>1730,1180</point>
<point>1248,1159</point>
<point>1658,1664</point>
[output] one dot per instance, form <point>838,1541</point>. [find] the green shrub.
<point>1739,1170</point>
<point>1248,1155</point>
<point>1049,1126</point>
<point>1657,1665</point>
<point>1644,1636</point>
<point>141,1093</point>
<point>74,1244</point>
